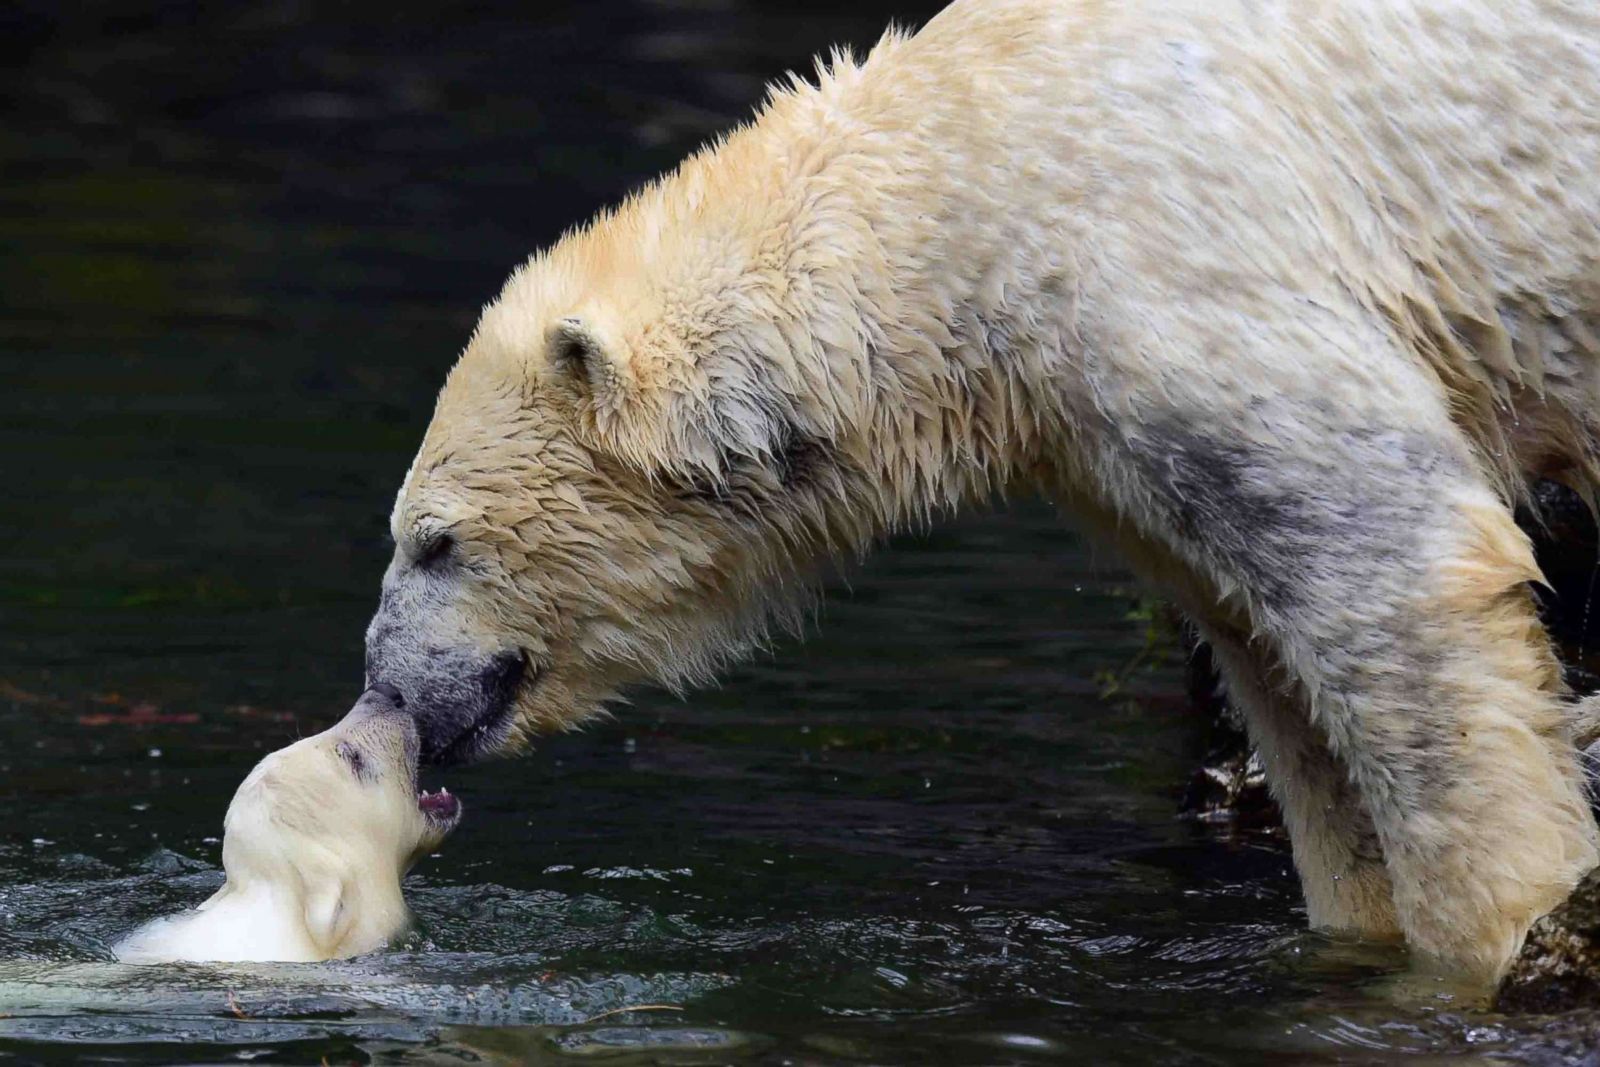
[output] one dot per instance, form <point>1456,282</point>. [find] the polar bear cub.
<point>316,841</point>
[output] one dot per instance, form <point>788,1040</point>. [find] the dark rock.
<point>1229,788</point>
<point>1559,968</point>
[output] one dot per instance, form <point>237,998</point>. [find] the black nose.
<point>387,692</point>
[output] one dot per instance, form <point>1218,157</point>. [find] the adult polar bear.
<point>1288,299</point>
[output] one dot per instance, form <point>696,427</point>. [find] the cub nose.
<point>388,692</point>
<point>381,697</point>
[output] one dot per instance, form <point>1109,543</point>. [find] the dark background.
<point>231,224</point>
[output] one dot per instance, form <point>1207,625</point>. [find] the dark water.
<point>240,247</point>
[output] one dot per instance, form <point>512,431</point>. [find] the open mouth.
<point>441,809</point>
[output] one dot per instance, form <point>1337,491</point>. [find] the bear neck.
<point>930,332</point>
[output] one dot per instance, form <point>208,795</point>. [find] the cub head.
<point>334,821</point>
<point>637,452</point>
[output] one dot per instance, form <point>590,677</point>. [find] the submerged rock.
<point>1229,787</point>
<point>1559,968</point>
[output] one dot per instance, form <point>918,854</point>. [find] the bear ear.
<point>577,352</point>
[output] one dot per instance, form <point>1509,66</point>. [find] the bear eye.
<point>433,549</point>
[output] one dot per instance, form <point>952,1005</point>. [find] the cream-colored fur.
<point>317,840</point>
<point>1288,299</point>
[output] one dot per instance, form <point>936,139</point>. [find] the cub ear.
<point>329,919</point>
<point>578,352</point>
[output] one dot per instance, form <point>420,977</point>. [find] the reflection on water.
<point>238,248</point>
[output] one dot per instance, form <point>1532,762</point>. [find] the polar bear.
<point>317,839</point>
<point>1289,301</point>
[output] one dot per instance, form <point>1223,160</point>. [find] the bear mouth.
<point>485,731</point>
<point>480,738</point>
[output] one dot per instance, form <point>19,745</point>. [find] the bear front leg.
<point>1460,745</point>
<point>1336,848</point>
<point>1337,852</point>
<point>1377,565</point>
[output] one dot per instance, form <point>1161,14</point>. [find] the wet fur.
<point>1288,300</point>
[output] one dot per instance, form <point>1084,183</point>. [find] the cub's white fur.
<point>317,840</point>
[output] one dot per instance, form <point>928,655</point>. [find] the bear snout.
<point>461,698</point>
